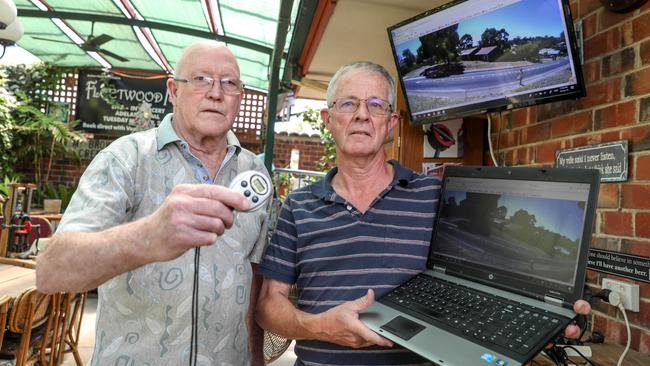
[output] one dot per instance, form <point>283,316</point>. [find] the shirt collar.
<point>166,134</point>
<point>323,188</point>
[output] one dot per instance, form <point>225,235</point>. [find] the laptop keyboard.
<point>476,315</point>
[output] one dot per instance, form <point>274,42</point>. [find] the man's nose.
<point>215,92</point>
<point>362,112</point>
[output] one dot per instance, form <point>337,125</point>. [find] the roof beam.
<point>284,18</point>
<point>33,13</point>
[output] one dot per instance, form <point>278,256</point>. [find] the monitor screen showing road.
<point>481,55</point>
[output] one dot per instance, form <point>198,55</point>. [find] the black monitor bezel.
<point>495,105</point>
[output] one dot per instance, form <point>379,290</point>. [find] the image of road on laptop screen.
<point>491,50</point>
<point>528,235</point>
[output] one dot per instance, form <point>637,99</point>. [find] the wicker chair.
<point>5,303</point>
<point>30,322</point>
<point>72,313</point>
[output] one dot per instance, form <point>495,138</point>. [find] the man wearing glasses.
<point>352,236</point>
<point>152,225</point>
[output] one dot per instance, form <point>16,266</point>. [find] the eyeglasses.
<point>204,83</point>
<point>376,106</point>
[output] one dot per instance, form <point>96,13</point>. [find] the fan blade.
<point>113,55</point>
<point>51,40</point>
<point>99,40</point>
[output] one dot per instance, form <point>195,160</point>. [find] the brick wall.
<point>68,171</point>
<point>617,106</point>
<point>310,149</point>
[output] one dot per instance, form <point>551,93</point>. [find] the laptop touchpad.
<point>403,327</point>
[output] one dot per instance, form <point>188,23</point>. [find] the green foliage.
<point>328,160</point>
<point>35,137</point>
<point>60,192</point>
<point>6,181</point>
<point>7,156</point>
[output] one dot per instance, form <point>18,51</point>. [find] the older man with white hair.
<point>152,225</point>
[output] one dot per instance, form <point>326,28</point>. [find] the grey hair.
<point>361,65</point>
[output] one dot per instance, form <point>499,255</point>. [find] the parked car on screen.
<point>443,70</point>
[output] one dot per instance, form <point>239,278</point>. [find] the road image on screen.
<point>484,54</point>
<point>537,237</point>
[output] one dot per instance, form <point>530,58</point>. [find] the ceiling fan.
<point>92,44</point>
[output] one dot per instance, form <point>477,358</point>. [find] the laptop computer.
<point>506,263</point>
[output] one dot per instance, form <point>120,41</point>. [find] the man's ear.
<point>325,116</point>
<point>394,118</point>
<point>171,86</point>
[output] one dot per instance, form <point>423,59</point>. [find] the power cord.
<point>614,299</point>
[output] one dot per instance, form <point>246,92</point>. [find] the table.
<point>15,279</point>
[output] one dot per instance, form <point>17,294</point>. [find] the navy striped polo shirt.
<point>334,254</point>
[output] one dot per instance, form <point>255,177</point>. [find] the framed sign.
<point>610,158</point>
<point>119,105</point>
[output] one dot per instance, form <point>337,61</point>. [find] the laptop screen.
<point>519,234</point>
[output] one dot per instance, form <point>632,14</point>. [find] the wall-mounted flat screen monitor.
<point>476,56</point>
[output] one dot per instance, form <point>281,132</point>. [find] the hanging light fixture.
<point>10,35</point>
<point>8,13</point>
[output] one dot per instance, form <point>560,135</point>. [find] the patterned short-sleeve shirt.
<point>144,315</point>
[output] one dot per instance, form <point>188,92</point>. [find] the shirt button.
<point>205,177</point>
<point>349,207</point>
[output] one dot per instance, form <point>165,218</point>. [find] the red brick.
<point>644,110</point>
<point>641,318</point>
<point>639,138</point>
<point>642,167</point>
<point>546,152</point>
<point>631,177</point>
<point>605,92</point>
<point>642,224</point>
<point>583,140</point>
<point>602,43</point>
<point>640,29</point>
<point>616,333</point>
<point>519,117</point>
<point>608,197</point>
<point>636,247</point>
<point>644,342</point>
<point>619,62</point>
<point>636,196</point>
<point>592,276</point>
<point>609,18</point>
<point>616,115</point>
<point>571,124</point>
<point>610,136</point>
<point>644,52</point>
<point>617,223</point>
<point>627,35</point>
<point>539,132</point>
<point>590,26</point>
<point>591,71</point>
<point>638,83</point>
<point>587,6</point>
<point>509,139</point>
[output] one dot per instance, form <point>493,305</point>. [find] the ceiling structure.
<point>345,31</point>
<point>149,35</point>
<point>322,34</point>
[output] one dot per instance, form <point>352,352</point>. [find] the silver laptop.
<point>507,261</point>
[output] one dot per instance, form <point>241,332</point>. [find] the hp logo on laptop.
<point>491,276</point>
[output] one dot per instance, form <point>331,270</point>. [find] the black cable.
<point>581,355</point>
<point>195,309</point>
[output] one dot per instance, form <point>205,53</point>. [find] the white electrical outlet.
<point>629,292</point>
